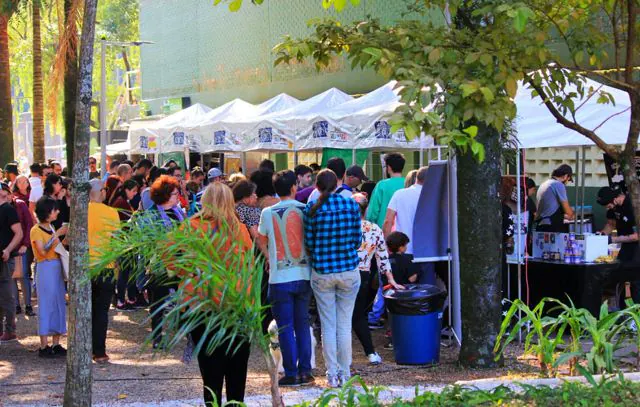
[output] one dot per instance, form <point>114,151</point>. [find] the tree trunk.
<point>77,391</point>
<point>629,155</point>
<point>276,396</point>
<point>70,82</point>
<point>480,239</point>
<point>6,109</point>
<point>38,95</point>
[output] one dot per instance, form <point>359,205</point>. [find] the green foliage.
<point>545,334</point>
<point>615,391</point>
<point>228,284</point>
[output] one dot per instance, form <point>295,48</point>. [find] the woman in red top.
<point>122,199</point>
<point>25,254</point>
<point>111,186</point>
<point>21,188</point>
<point>218,220</point>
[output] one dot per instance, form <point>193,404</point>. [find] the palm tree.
<point>38,96</point>
<point>7,8</point>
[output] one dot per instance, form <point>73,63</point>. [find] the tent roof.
<point>234,108</point>
<point>538,128</point>
<point>277,104</point>
<point>184,117</point>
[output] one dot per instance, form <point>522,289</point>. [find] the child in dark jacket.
<point>404,270</point>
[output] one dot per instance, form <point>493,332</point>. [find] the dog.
<point>276,353</point>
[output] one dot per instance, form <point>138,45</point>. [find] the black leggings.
<point>125,285</point>
<point>222,366</point>
<point>158,293</point>
<point>360,320</point>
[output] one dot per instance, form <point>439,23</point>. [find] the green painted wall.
<point>214,55</point>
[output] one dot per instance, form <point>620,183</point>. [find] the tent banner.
<point>323,134</point>
<point>431,225</point>
<point>614,171</point>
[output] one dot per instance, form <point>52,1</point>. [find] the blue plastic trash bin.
<point>416,322</point>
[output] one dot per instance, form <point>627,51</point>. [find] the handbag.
<point>64,257</point>
<point>18,273</point>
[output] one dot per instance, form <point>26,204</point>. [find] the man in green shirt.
<point>384,190</point>
<point>380,197</point>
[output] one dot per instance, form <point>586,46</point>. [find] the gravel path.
<point>135,376</point>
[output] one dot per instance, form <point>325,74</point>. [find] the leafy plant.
<point>547,332</point>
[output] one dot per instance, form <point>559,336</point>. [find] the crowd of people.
<point>331,240</point>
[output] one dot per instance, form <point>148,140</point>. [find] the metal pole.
<point>518,243</point>
<point>575,217</point>
<point>454,289</point>
<point>353,156</point>
<point>103,107</point>
<point>582,176</point>
<point>243,160</point>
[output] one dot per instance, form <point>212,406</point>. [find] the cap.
<point>606,195</point>
<point>562,170</point>
<point>356,171</point>
<point>214,173</point>
<point>96,185</point>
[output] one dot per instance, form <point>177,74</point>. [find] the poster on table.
<point>614,172</point>
<point>518,229</point>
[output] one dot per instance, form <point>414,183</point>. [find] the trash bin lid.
<point>415,299</point>
<point>415,291</point>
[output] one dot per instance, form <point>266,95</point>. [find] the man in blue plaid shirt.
<point>332,236</point>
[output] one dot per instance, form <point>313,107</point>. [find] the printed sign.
<point>614,172</point>
<point>144,142</point>
<point>383,130</point>
<point>219,137</point>
<point>178,138</point>
<point>320,129</point>
<point>265,135</point>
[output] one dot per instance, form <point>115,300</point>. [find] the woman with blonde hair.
<point>218,221</point>
<point>411,178</point>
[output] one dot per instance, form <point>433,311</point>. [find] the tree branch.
<point>611,117</point>
<point>631,39</point>
<point>591,135</point>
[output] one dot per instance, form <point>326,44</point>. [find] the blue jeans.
<point>290,308</point>
<point>26,281</point>
<point>336,297</point>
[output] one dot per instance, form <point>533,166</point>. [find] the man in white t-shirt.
<point>338,166</point>
<point>39,173</point>
<point>401,211</point>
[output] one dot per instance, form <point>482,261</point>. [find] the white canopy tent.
<point>538,128</point>
<point>277,131</point>
<point>170,134</point>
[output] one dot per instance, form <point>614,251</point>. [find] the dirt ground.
<point>135,374</point>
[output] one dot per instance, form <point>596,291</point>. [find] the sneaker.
<point>374,358</point>
<point>288,381</point>
<point>18,310</point>
<point>29,311</point>
<point>101,359</point>
<point>333,381</point>
<point>342,380</point>
<point>7,337</point>
<point>45,352</point>
<point>306,379</point>
<point>376,325</point>
<point>388,346</point>
<point>124,307</point>
<point>58,350</point>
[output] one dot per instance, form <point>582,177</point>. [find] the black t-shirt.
<point>95,174</point>
<point>402,267</point>
<point>625,224</point>
<point>8,218</point>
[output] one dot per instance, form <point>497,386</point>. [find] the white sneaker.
<point>374,358</point>
<point>333,381</point>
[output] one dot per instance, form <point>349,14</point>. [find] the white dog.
<point>276,353</point>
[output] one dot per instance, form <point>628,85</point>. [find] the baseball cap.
<point>606,195</point>
<point>214,173</point>
<point>96,185</point>
<point>562,170</point>
<point>356,171</point>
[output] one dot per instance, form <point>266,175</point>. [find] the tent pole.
<point>295,158</point>
<point>370,165</point>
<point>518,243</point>
<point>454,289</point>
<point>202,161</point>
<point>353,156</point>
<point>243,160</point>
<point>582,176</point>
<point>575,217</point>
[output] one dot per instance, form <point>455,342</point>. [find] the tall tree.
<point>7,8</point>
<point>70,37</point>
<point>77,392</point>
<point>38,95</point>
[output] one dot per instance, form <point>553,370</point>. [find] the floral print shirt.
<point>248,215</point>
<point>373,244</point>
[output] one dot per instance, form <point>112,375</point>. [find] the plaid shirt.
<point>333,235</point>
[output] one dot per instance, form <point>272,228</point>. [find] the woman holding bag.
<point>49,278</point>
